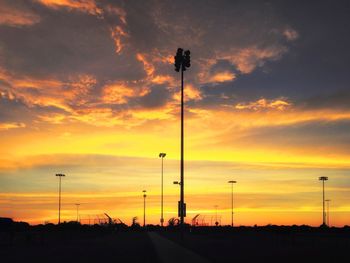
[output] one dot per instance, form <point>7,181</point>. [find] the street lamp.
<point>59,197</point>
<point>232,182</point>
<point>144,208</point>
<point>77,212</point>
<point>162,155</point>
<point>323,178</point>
<point>328,200</point>
<point>216,215</point>
<point>182,62</point>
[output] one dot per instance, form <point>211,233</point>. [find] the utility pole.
<point>59,197</point>
<point>162,155</point>
<point>182,61</point>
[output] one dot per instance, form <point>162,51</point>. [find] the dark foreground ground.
<point>88,244</point>
<point>267,245</point>
<point>112,247</point>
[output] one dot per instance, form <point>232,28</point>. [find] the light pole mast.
<point>59,197</point>
<point>162,155</point>
<point>323,178</point>
<point>144,208</point>
<point>77,212</point>
<point>182,61</point>
<point>232,182</point>
<point>182,197</point>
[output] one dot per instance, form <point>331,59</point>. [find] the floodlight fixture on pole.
<point>182,62</point>
<point>59,197</point>
<point>323,178</point>
<point>232,182</point>
<point>328,200</point>
<point>162,155</point>
<point>144,207</point>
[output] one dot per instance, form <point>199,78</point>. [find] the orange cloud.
<point>223,77</point>
<point>147,65</point>
<point>49,92</point>
<point>100,117</point>
<point>118,11</point>
<point>118,93</point>
<point>190,93</point>
<point>88,6</point>
<point>14,17</point>
<point>79,88</point>
<point>278,104</point>
<point>247,59</point>
<point>11,125</point>
<point>54,118</point>
<point>118,34</point>
<point>153,62</point>
<point>161,79</point>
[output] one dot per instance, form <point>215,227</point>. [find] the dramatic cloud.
<point>267,86</point>
<point>86,57</point>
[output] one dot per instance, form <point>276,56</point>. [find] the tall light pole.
<point>323,178</point>
<point>232,182</point>
<point>328,200</point>
<point>59,197</point>
<point>162,155</point>
<point>144,207</point>
<point>182,61</point>
<point>216,215</point>
<point>77,212</point>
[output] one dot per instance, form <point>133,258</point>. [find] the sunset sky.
<point>88,89</point>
